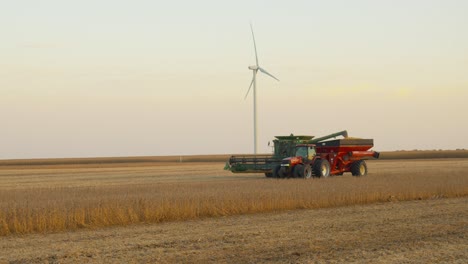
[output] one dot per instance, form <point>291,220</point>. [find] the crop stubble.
<point>426,231</point>
<point>66,197</point>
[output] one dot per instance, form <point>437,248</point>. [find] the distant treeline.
<point>402,154</point>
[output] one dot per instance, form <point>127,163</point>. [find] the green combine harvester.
<point>284,146</point>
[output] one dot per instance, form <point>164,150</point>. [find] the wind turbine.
<point>255,68</point>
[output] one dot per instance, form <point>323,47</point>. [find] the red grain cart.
<point>323,159</point>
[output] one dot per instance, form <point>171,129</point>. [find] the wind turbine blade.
<point>255,45</point>
<point>267,73</point>
<point>249,89</point>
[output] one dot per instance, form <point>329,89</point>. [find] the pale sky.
<point>136,78</point>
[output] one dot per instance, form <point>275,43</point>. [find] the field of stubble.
<point>195,211</point>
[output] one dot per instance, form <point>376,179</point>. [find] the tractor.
<point>326,158</point>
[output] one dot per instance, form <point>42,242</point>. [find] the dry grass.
<point>47,209</point>
<point>426,231</point>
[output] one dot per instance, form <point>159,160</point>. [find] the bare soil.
<point>428,231</point>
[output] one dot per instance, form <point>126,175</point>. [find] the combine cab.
<point>323,159</point>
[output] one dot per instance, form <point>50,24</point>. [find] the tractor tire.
<point>282,173</point>
<point>302,171</point>
<point>321,168</point>
<point>298,171</point>
<point>359,168</point>
<point>275,171</point>
<point>268,174</point>
<point>307,172</point>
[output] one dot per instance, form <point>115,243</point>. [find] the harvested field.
<point>53,198</point>
<point>154,160</point>
<point>425,154</point>
<point>427,231</point>
<point>197,212</point>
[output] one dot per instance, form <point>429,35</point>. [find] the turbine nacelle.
<point>253,67</point>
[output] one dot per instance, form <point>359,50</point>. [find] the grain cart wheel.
<point>359,168</point>
<point>322,168</point>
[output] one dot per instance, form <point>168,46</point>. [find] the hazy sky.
<point>123,78</point>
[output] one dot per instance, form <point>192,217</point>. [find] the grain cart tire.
<point>359,168</point>
<point>322,168</point>
<point>275,171</point>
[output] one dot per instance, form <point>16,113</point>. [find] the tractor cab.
<point>297,166</point>
<point>306,151</point>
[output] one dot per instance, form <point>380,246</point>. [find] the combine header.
<point>304,157</point>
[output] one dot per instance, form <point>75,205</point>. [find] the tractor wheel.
<point>359,168</point>
<point>322,168</point>
<point>276,171</point>
<point>302,171</point>
<point>298,171</point>
<point>268,174</point>
<point>307,172</point>
<point>283,173</point>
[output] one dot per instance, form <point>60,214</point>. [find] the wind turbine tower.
<point>255,68</point>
